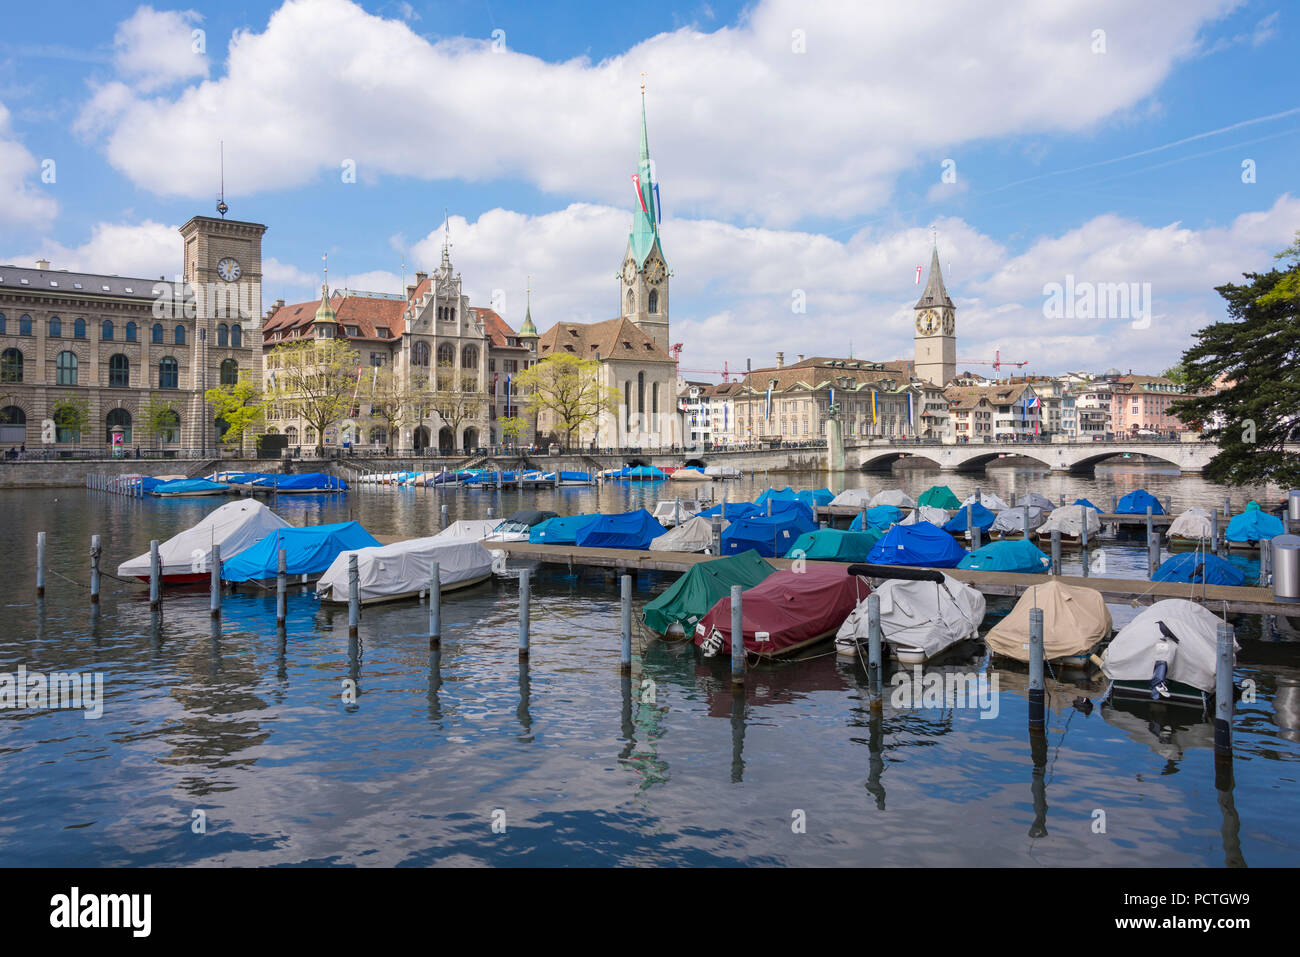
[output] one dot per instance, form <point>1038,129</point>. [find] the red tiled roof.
<point>612,339</point>
<point>497,329</point>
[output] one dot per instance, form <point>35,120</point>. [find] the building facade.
<point>935,340</point>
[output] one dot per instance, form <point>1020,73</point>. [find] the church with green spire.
<point>643,278</point>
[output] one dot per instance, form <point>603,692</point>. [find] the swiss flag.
<point>918,275</point>
<point>636,181</point>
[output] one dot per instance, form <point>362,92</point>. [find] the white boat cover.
<point>1195,524</point>
<point>404,568</point>
<point>1131,655</point>
<point>987,499</point>
<point>926,513</point>
<point>1033,498</point>
<point>925,615</point>
<point>235,526</point>
<point>1013,519</point>
<point>853,498</point>
<point>689,475</point>
<point>1074,620</point>
<point>1071,520</point>
<point>726,471</point>
<point>694,535</point>
<point>668,512</point>
<point>475,528</point>
<point>892,496</point>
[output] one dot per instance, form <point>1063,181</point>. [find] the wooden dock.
<point>1237,600</point>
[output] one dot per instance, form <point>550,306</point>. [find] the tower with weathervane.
<point>936,329</point>
<point>643,279</point>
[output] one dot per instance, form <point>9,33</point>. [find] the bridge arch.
<point>980,461</point>
<point>885,461</point>
<point>1089,463</point>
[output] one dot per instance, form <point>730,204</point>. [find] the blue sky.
<point>1114,158</point>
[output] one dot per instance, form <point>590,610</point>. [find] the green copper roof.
<point>645,231</point>
<point>528,330</point>
<point>324,313</point>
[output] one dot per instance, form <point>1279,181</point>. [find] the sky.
<point>808,155</point>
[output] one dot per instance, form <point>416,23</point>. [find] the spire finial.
<point>221,200</point>
<point>934,236</point>
<point>643,82</point>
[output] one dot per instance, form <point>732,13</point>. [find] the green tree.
<point>240,406</point>
<point>161,419</point>
<point>456,397</point>
<point>71,417</point>
<point>569,390</point>
<point>1176,374</point>
<point>316,380</point>
<point>512,427</point>
<point>391,403</point>
<point>1244,374</point>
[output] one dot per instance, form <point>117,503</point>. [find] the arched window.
<point>229,372</point>
<point>640,393</point>
<point>631,301</point>
<point>309,436</point>
<point>378,436</point>
<point>654,300</point>
<point>117,417</point>
<point>11,366</point>
<point>66,368</point>
<point>130,332</point>
<point>420,354</point>
<point>13,425</point>
<point>119,371</point>
<point>79,329</point>
<point>24,325</point>
<point>56,327</point>
<point>446,355</point>
<point>106,329</point>
<point>236,335</point>
<point>291,433</point>
<point>168,373</point>
<point>180,335</point>
<point>654,407</point>
<point>157,334</point>
<point>469,357</point>
<point>223,335</point>
<point>627,405</point>
<point>169,426</point>
<point>4,323</point>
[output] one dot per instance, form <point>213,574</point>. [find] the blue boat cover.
<point>183,486</point>
<point>308,551</point>
<point>786,494</point>
<point>149,483</point>
<point>1199,567</point>
<point>981,516</point>
<point>641,472</point>
<point>627,530</point>
<point>835,545</point>
<point>813,497</point>
<point>921,544</point>
<point>1085,502</point>
<point>1009,555</point>
<point>770,537</point>
<point>242,478</point>
<point>566,477</point>
<point>1254,525</point>
<point>1136,502</point>
<point>561,530</point>
<point>879,518</point>
<point>734,510</point>
<point>307,482</point>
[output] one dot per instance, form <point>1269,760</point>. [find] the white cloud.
<point>740,125</point>
<point>153,49</point>
<point>142,250</point>
<point>23,201</point>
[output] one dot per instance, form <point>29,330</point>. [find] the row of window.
<point>446,355</point>
<point>227,335</point>
<point>15,419</point>
<point>119,370</point>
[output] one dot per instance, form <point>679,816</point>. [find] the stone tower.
<point>936,330</point>
<point>643,277</point>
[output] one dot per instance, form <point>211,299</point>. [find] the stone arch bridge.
<point>1076,457</point>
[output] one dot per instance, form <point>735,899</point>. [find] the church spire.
<point>528,330</point>
<point>935,294</point>
<point>645,222</point>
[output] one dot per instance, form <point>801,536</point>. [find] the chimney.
<point>42,264</point>
<point>410,291</point>
<point>421,277</point>
<point>780,360</point>
<point>279,303</point>
<point>801,357</point>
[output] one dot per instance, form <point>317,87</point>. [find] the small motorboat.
<point>769,535</point>
<point>475,528</point>
<point>926,513</point>
<point>892,496</point>
<point>185,558</point>
<point>1137,502</point>
<point>987,499</point>
<point>517,527</point>
<point>1245,531</point>
<point>922,544</point>
<point>404,569</point>
<point>1199,568</point>
<point>919,619</point>
<point>675,612</point>
<point>1017,555</point>
<point>693,535</point>
<point>670,512</point>
<point>560,530</point>
<point>305,483</point>
<point>690,474</point>
<point>1071,521</point>
<point>852,498</point>
<point>1191,527</point>
<point>1167,653</point>
<point>939,496</point>
<point>1075,621</point>
<point>834,545</point>
<point>1011,522</point>
<point>629,530</point>
<point>1034,500</point>
<point>722,471</point>
<point>309,552</point>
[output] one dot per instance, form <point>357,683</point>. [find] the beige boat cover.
<point>693,535</point>
<point>1074,620</point>
<point>1071,520</point>
<point>892,496</point>
<point>853,498</point>
<point>1192,524</point>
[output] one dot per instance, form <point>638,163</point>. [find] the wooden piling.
<point>1223,690</point>
<point>875,650</point>
<point>1025,511</point>
<point>1214,531</point>
<point>40,564</point>
<point>1056,551</point>
<point>1153,553</point>
<point>442,515</point>
<point>1265,562</point>
<point>281,588</point>
<point>214,588</point>
<point>737,638</point>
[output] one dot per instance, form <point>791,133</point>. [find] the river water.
<point>225,744</point>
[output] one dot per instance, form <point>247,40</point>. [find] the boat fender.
<point>498,561</point>
<point>711,645</point>
<point>1166,651</point>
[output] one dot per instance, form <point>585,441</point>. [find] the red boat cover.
<point>787,609</point>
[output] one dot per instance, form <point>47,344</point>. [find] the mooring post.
<point>435,604</point>
<point>155,576</point>
<point>1265,561</point>
<point>974,536</point>
<point>1150,522</point>
<point>677,511</point>
<point>1153,553</point>
<point>354,596</point>
<point>737,638</point>
<point>625,657</point>
<point>1062,498</point>
<point>875,649</point>
<point>970,524</point>
<point>1083,534</point>
<point>214,582</point>
<point>1056,551</point>
<point>1223,690</point>
<point>1036,667</point>
<point>492,513</point>
<point>1169,504</point>
<point>442,515</point>
<point>1114,504</point>
<point>1227,506</point>
<point>40,564</point>
<point>94,569</point>
<point>281,587</point>
<point>717,533</point>
<point>769,507</point>
<point>523,613</point>
<point>1025,511</point>
<point>1214,531</point>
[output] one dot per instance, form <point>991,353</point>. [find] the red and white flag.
<point>636,181</point>
<point>918,275</point>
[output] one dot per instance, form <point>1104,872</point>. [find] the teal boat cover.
<point>561,530</point>
<point>786,494</point>
<point>1198,567</point>
<point>921,544</point>
<point>1254,525</point>
<point>835,545</point>
<point>939,496</point>
<point>188,487</point>
<point>813,497</point>
<point>634,530</point>
<point>1009,555</point>
<point>879,518</point>
<point>308,551</point>
<point>689,599</point>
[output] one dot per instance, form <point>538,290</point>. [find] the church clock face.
<point>948,323</point>
<point>655,272</point>
<point>927,322</point>
<point>629,270</point>
<point>228,269</point>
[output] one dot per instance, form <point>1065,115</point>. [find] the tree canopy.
<point>569,390</point>
<point>240,406</point>
<point>316,380</point>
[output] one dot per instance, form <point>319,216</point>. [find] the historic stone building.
<point>115,346</point>
<point>935,340</point>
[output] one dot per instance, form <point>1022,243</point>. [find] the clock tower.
<point>936,330</point>
<point>643,276</point>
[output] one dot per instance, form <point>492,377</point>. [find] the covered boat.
<point>475,528</point>
<point>769,536</point>
<point>1075,620</point>
<point>184,558</point>
<point>1086,504</point>
<point>834,545</point>
<point>722,471</point>
<point>672,512</point>
<point>1012,555</point>
<point>1252,526</point>
<point>892,496</point>
<point>815,497</point>
<point>635,530</point>
<point>981,517</point>
<point>675,611</point>
<point>926,513</point>
<point>775,495</point>
<point>919,619</point>
<point>1034,500</point>
<point>1136,502</point>
<point>642,473</point>
<point>852,498</point>
<point>987,499</point>
<point>692,535</point>
<point>561,530</point>
<point>1011,523</point>
<point>1199,568</point>
<point>1168,651</point>
<point>517,527</point>
<point>690,474</point>
<point>305,483</point>
<point>189,488</point>
<point>308,551</point>
<point>939,496</point>
<point>403,569</point>
<point>921,544</point>
<point>784,613</point>
<point>733,510</point>
<point>1193,525</point>
<point>879,517</point>
<point>1070,521</point>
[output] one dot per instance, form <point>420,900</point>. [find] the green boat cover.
<point>689,599</point>
<point>836,545</point>
<point>939,496</point>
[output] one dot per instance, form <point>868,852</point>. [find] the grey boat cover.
<point>892,496</point>
<point>987,499</point>
<point>1071,520</point>
<point>693,535</point>
<point>670,512</point>
<point>853,498</point>
<point>1033,498</point>
<point>926,513</point>
<point>728,471</point>
<point>1013,519</point>
<point>475,528</point>
<point>925,615</point>
<point>1132,654</point>
<point>1195,524</point>
<point>1074,620</point>
<point>405,567</point>
<point>235,526</point>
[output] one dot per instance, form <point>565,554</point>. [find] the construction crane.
<point>997,362</point>
<point>725,372</point>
